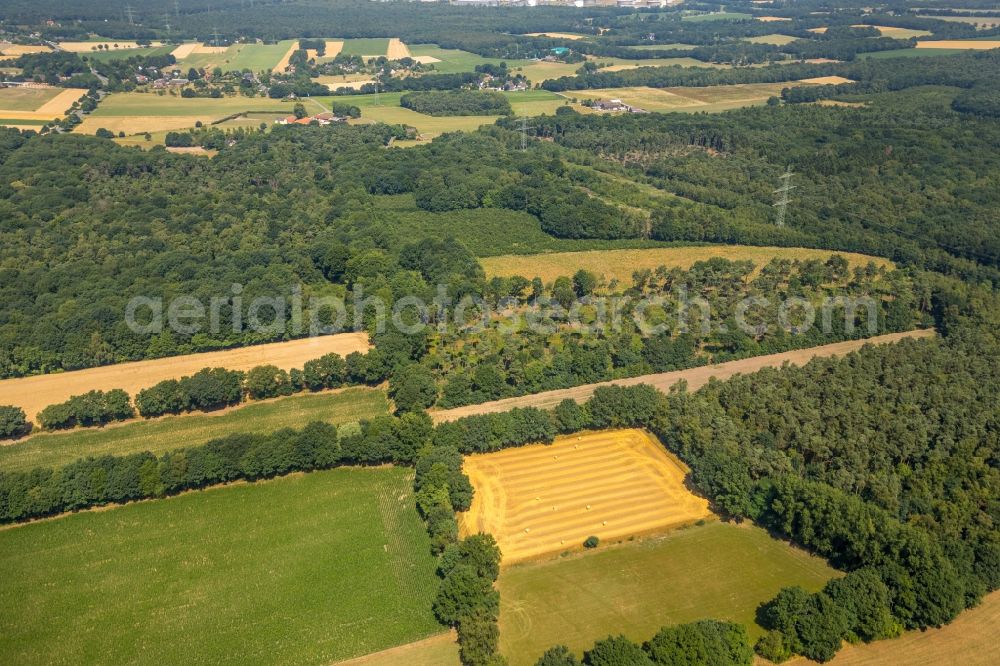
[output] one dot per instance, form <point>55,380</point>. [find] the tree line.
<point>457,103</point>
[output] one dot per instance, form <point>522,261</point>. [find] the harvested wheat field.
<point>620,264</point>
<point>827,80</point>
<point>111,45</point>
<point>184,50</point>
<point>334,47</point>
<point>283,63</point>
<point>772,19</point>
<point>15,50</point>
<point>554,35</point>
<point>32,394</point>
<point>37,104</point>
<point>397,49</point>
<point>973,44</point>
<point>543,499</point>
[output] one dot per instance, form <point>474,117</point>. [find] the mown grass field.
<point>387,110</point>
<point>620,264</point>
<point>716,16</point>
<point>658,47</point>
<point>455,60</point>
<point>255,57</point>
<point>152,104</point>
<point>776,39</point>
<point>376,46</point>
<point>709,98</point>
<point>121,54</point>
<point>135,113</point>
<point>306,569</point>
<point>26,99</point>
<point>622,64</point>
<point>715,570</point>
<point>173,432</point>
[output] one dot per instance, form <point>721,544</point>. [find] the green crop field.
<point>454,60</point>
<point>525,102</point>
<point>255,57</point>
<point>366,47</point>
<point>659,47</point>
<point>121,54</point>
<point>717,16</point>
<point>716,570</point>
<point>305,569</point>
<point>152,104</point>
<point>172,432</point>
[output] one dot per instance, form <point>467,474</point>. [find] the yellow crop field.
<point>37,104</point>
<point>555,35</point>
<point>972,44</point>
<point>112,45</point>
<point>397,49</point>
<point>14,50</point>
<point>32,394</point>
<point>544,499</point>
<point>707,98</point>
<point>896,33</point>
<point>620,264</point>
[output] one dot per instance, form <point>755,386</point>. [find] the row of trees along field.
<point>884,462</point>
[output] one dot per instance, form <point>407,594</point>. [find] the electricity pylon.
<point>782,203</point>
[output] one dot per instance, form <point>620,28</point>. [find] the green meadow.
<point>306,569</point>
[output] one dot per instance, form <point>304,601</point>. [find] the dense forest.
<point>248,218</point>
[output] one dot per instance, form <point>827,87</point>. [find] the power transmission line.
<point>130,14</point>
<point>782,203</point>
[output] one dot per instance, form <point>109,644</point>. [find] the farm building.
<point>616,105</point>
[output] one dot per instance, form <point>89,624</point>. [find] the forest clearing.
<point>543,499</point>
<point>36,392</point>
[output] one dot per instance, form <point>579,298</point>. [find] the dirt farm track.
<point>32,394</point>
<point>695,377</point>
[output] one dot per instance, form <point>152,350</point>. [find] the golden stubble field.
<point>32,394</point>
<point>620,264</point>
<point>543,499</point>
